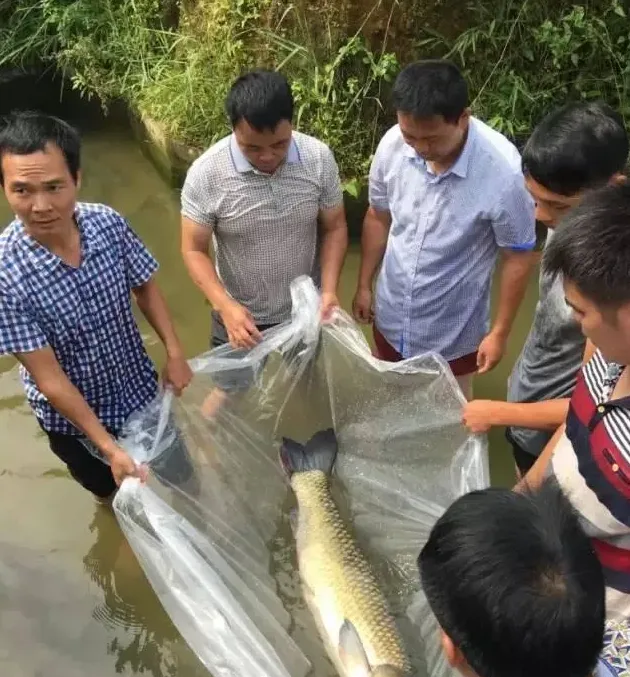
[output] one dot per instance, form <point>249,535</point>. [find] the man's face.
<point>40,190</point>
<point>550,207</point>
<point>265,150</point>
<point>434,139</point>
<point>607,328</point>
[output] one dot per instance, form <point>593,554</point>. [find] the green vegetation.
<point>521,59</point>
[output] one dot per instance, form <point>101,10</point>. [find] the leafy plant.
<point>524,58</point>
<point>339,100</point>
<point>118,49</point>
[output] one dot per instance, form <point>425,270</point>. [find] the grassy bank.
<point>173,61</point>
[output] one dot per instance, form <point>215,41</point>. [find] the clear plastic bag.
<point>211,526</point>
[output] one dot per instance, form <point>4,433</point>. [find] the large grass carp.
<point>339,586</point>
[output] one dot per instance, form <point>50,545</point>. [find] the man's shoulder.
<point>310,147</point>
<point>96,211</point>
<point>100,222</point>
<point>392,141</point>
<point>10,239</point>
<point>495,149</point>
<point>391,150</point>
<point>215,160</point>
<point>10,234</point>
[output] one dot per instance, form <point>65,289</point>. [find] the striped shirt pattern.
<point>433,291</point>
<point>265,226</point>
<point>84,314</point>
<point>592,465</point>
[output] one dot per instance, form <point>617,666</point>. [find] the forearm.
<point>203,273</point>
<point>536,474</point>
<point>514,275</point>
<point>547,415</point>
<point>65,398</point>
<point>373,245</point>
<point>333,253</point>
<point>153,306</point>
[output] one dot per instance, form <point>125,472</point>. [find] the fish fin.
<point>351,652</point>
<point>319,453</point>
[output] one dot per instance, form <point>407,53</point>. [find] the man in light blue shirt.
<point>446,194</point>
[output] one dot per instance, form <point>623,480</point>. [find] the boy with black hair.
<point>575,149</point>
<point>590,454</point>
<point>516,587</point>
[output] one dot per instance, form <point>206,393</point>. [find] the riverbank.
<point>171,62</point>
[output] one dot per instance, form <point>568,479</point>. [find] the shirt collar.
<point>461,165</point>
<point>91,241</point>
<point>243,165</point>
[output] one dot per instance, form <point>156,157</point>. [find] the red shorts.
<point>462,366</point>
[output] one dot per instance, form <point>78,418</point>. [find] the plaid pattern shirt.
<point>84,314</point>
<point>265,226</point>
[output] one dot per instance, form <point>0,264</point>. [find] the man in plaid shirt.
<point>67,274</point>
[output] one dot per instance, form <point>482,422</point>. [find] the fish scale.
<point>338,577</point>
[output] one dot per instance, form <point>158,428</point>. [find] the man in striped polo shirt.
<point>589,455</point>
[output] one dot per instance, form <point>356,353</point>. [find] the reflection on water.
<point>73,599</point>
<point>149,642</point>
<point>53,624</point>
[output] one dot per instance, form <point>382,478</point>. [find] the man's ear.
<point>453,655</point>
<point>623,318</point>
<point>464,118</point>
<point>79,179</point>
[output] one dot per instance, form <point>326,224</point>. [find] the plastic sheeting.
<point>211,526</point>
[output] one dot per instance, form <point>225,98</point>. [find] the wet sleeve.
<point>199,197</point>
<point>19,330</point>
<point>332,193</point>
<point>377,185</point>
<point>139,262</point>
<point>513,220</point>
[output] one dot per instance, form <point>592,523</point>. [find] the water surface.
<point>73,600</point>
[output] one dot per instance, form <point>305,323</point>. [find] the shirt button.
<point>601,409</point>
<point>615,467</point>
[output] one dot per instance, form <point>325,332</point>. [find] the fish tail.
<point>319,453</point>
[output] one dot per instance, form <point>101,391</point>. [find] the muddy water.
<point>73,600</point>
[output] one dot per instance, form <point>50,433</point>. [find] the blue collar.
<point>242,164</point>
<point>461,165</point>
<point>91,241</point>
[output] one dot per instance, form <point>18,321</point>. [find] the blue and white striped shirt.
<point>433,290</point>
<point>84,314</point>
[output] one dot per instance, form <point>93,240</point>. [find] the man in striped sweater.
<point>589,456</point>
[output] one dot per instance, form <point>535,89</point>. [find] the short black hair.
<point>263,98</point>
<point>577,147</point>
<point>591,246</point>
<point>514,582</point>
<point>26,132</point>
<point>428,88</point>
